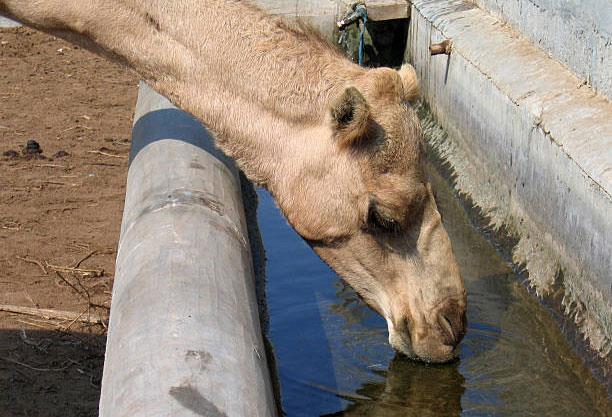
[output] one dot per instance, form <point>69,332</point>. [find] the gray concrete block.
<point>531,145</point>
<point>320,14</point>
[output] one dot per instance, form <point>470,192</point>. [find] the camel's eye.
<point>380,223</point>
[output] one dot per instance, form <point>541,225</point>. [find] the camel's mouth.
<point>427,352</point>
<point>434,337</point>
<point>439,360</point>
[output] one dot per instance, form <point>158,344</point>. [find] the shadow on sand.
<point>50,373</point>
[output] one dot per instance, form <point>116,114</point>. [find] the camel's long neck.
<point>256,83</point>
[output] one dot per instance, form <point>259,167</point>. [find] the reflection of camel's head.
<point>361,199</point>
<point>411,389</point>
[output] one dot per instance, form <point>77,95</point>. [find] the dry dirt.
<point>57,213</point>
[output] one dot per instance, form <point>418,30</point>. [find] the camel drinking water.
<point>337,145</point>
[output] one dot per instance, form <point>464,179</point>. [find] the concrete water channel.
<point>334,359</point>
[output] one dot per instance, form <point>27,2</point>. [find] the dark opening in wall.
<point>384,42</point>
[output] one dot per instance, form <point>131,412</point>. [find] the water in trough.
<point>334,358</point>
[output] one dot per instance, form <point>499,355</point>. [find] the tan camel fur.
<point>337,145</point>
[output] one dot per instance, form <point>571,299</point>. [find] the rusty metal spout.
<point>443,47</point>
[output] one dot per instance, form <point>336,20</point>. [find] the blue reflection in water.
<point>297,282</point>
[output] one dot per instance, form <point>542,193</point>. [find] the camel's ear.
<point>410,83</point>
<point>350,117</point>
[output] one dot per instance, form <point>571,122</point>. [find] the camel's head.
<point>365,206</point>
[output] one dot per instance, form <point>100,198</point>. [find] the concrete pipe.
<point>184,335</point>
<point>5,22</point>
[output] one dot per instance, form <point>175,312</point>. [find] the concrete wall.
<point>530,145</point>
<point>577,33</point>
<point>323,14</point>
<point>320,14</point>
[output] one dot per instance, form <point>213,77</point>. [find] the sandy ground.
<point>59,217</point>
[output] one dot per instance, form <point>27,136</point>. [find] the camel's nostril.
<point>452,322</point>
<point>447,327</point>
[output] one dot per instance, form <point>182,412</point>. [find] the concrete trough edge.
<point>579,34</point>
<point>184,335</point>
<point>530,144</point>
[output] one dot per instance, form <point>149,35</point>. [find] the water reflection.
<point>334,358</point>
<point>410,389</point>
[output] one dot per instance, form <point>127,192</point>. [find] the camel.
<point>337,145</point>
